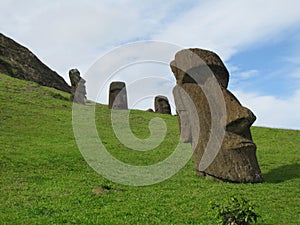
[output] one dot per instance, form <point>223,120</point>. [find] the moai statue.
<point>234,160</point>
<point>117,95</point>
<point>149,110</point>
<point>78,91</point>
<point>161,105</point>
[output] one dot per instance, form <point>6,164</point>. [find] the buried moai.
<point>117,95</point>
<point>161,105</point>
<point>78,91</point>
<point>222,142</point>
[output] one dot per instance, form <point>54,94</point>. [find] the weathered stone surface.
<point>17,61</point>
<point>118,95</point>
<point>162,105</point>
<point>78,91</point>
<point>212,60</point>
<point>236,160</point>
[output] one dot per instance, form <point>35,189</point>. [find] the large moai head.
<point>78,91</point>
<point>118,95</point>
<point>162,105</point>
<point>235,160</point>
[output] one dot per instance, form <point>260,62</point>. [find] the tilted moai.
<point>234,159</point>
<point>78,91</point>
<point>117,95</point>
<point>161,105</point>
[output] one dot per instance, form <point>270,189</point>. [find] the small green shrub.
<point>236,211</point>
<point>107,185</point>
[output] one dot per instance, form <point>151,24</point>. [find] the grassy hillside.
<point>45,180</point>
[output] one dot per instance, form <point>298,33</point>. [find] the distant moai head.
<point>74,75</point>
<point>162,105</point>
<point>118,95</point>
<point>236,159</point>
<point>78,91</point>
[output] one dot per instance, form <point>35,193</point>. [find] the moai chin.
<point>236,160</point>
<point>118,95</point>
<point>162,105</point>
<point>78,91</point>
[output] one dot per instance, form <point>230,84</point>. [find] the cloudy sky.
<point>259,41</point>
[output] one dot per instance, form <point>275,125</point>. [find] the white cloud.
<point>296,74</point>
<point>246,74</point>
<point>228,26</point>
<point>238,76</point>
<point>294,69</point>
<point>295,60</point>
<point>271,111</point>
<point>143,66</point>
<point>68,34</point>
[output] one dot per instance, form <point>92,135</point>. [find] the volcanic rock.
<point>220,117</point>
<point>162,105</point>
<point>17,61</point>
<point>117,95</point>
<point>78,91</point>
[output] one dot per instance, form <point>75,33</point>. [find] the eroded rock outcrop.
<point>221,118</point>
<point>17,61</point>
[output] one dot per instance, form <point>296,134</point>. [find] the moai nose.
<point>241,122</point>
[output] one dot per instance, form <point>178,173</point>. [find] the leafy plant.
<point>107,185</point>
<point>236,211</point>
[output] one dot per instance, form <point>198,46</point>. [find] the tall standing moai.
<point>162,105</point>
<point>234,159</point>
<point>78,91</point>
<point>118,95</point>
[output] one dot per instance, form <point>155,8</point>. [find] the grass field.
<point>45,180</point>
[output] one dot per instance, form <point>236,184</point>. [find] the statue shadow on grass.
<point>282,173</point>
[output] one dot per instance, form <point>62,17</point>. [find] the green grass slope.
<point>45,180</point>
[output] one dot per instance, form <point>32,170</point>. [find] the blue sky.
<point>259,41</point>
<point>271,67</point>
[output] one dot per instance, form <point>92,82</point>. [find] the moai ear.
<point>183,116</point>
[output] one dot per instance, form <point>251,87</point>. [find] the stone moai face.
<point>74,75</point>
<point>236,160</point>
<point>78,91</point>
<point>162,105</point>
<point>118,95</point>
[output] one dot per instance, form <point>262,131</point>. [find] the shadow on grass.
<point>283,173</point>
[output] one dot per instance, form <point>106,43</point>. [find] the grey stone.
<point>236,160</point>
<point>162,105</point>
<point>78,91</point>
<point>118,95</point>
